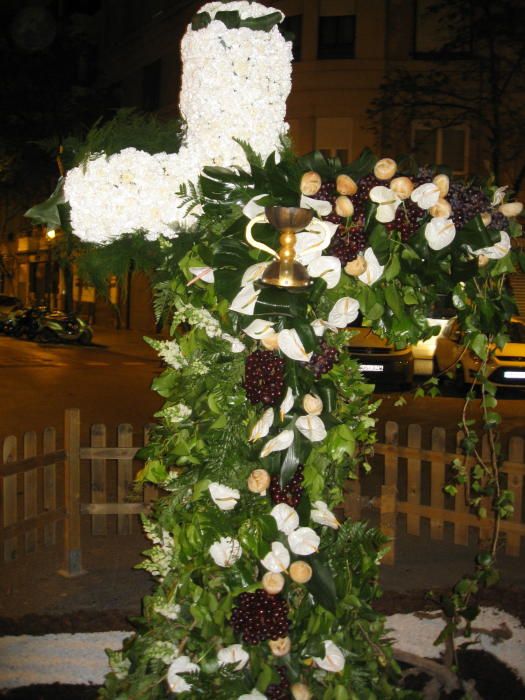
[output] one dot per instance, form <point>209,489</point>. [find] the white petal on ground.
<point>320,206</point>
<point>426,195</point>
<point>259,328</point>
<point>328,267</point>
<point>262,427</point>
<point>203,273</point>
<point>373,269</point>
<point>321,515</point>
<point>333,660</point>
<point>253,273</point>
<point>440,232</point>
<point>278,558</point>
<point>344,311</point>
<point>278,443</point>
<point>312,427</point>
<point>244,302</point>
<point>226,551</point>
<point>291,345</point>
<point>223,496</point>
<point>287,403</point>
<point>304,541</point>
<point>286,518</point>
<point>233,654</point>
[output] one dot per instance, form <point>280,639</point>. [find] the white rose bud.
<point>511,208</point>
<point>300,572</point>
<point>280,647</point>
<point>259,481</point>
<point>271,342</point>
<point>310,183</point>
<point>300,691</point>
<point>356,267</point>
<point>385,168</point>
<point>486,217</point>
<point>313,405</point>
<point>442,209</point>
<point>345,185</point>
<point>273,583</point>
<point>402,186</point>
<point>344,207</point>
<point>442,182</point>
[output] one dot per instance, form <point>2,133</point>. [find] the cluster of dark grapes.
<point>292,492</point>
<point>408,219</point>
<point>264,377</point>
<point>347,243</point>
<point>466,202</point>
<point>322,362</point>
<point>499,221</point>
<point>259,616</point>
<point>279,691</point>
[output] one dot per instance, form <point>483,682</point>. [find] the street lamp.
<point>50,236</point>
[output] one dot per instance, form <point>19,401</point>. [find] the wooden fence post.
<point>391,457</point>
<point>461,500</point>
<point>98,480</point>
<point>50,486</point>
<point>388,520</point>
<point>30,491</point>
<point>437,482</point>
<point>72,539</point>
<point>124,477</point>
<point>10,498</point>
<point>414,478</point>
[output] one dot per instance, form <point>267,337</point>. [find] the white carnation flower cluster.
<point>170,352</point>
<point>176,413</point>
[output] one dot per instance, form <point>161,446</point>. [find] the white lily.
<point>323,516</point>
<point>328,267</point>
<point>388,202</point>
<point>253,273</point>
<point>320,206</point>
<point>373,269</point>
<point>286,518</point>
<point>287,403</point>
<point>343,312</point>
<point>278,558</point>
<point>498,250</point>
<point>223,496</point>
<point>499,195</point>
<point>204,274</point>
<point>320,327</point>
<point>225,552</point>
<point>251,209</point>
<point>440,232</point>
<point>182,664</point>
<point>291,345</point>
<point>304,541</point>
<point>426,195</point>
<point>333,660</point>
<point>259,328</point>
<point>254,695</point>
<point>244,302</point>
<point>312,427</point>
<point>262,427</point>
<point>236,344</point>
<point>278,443</point>
<point>233,654</point>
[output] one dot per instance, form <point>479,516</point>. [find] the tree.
<point>477,77</point>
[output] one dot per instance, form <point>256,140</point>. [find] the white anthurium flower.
<point>440,232</point>
<point>287,403</point>
<point>278,443</point>
<point>291,345</point>
<point>253,273</point>
<point>223,496</point>
<point>233,654</point>
<point>236,344</point>
<point>320,206</point>
<point>304,541</point>
<point>328,267</point>
<point>308,247</point>
<point>286,518</point>
<point>320,327</point>
<point>343,312</point>
<point>498,250</point>
<point>333,660</point>
<point>262,427</point>
<point>254,695</point>
<point>251,209</point>
<point>244,302</point>
<point>259,328</point>
<point>426,195</point>
<point>182,664</point>
<point>204,274</point>
<point>312,427</point>
<point>499,195</point>
<point>373,269</point>
<point>323,516</point>
<point>225,552</point>
<point>326,229</point>
<point>388,202</point>
<point>278,558</point>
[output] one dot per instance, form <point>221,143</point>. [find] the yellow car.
<point>380,362</point>
<point>506,367</point>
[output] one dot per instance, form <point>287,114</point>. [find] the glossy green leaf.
<point>393,299</point>
<point>296,454</point>
<point>280,302</point>
<point>322,585</point>
<point>305,333</point>
<point>380,243</point>
<point>232,253</point>
<point>328,395</point>
<point>476,234</point>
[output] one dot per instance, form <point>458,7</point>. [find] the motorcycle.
<point>24,322</point>
<point>60,327</point>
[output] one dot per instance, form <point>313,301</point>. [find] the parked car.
<point>8,305</point>
<point>506,367</point>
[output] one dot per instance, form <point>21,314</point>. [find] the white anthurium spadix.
<point>304,541</point>
<point>440,232</point>
<point>312,427</point>
<point>244,302</point>
<point>278,558</point>
<point>233,654</point>
<point>426,195</point>
<point>262,427</point>
<point>278,443</point>
<point>320,206</point>
<point>291,345</point>
<point>286,517</point>
<point>343,312</point>
<point>259,328</point>
<point>328,267</point>
<point>287,403</point>
<point>373,269</point>
<point>321,515</point>
<point>225,552</point>
<point>498,250</point>
<point>252,209</point>
<point>236,344</point>
<point>320,327</point>
<point>387,201</point>
<point>203,274</point>
<point>333,660</point>
<point>223,496</point>
<point>182,664</point>
<point>253,273</point>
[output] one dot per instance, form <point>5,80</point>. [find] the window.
<point>292,28</point>
<point>442,145</point>
<point>336,37</point>
<point>438,33</point>
<point>151,85</point>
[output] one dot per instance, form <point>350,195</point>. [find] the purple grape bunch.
<point>264,377</point>
<point>259,616</point>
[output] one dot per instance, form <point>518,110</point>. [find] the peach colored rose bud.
<point>311,183</point>
<point>511,208</point>
<point>356,267</point>
<point>402,186</point>
<point>300,691</point>
<point>271,342</point>
<point>313,405</point>
<point>442,182</point>
<point>273,583</point>
<point>483,260</point>
<point>344,184</point>
<point>441,209</point>
<point>280,647</point>
<point>300,572</point>
<point>385,168</point>
<point>258,481</point>
<point>344,206</point>
<point>486,217</point>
